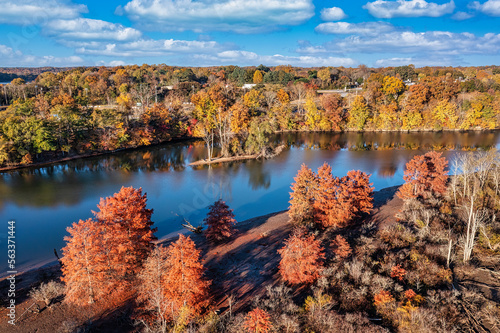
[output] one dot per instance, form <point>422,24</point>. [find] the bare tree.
<point>474,218</point>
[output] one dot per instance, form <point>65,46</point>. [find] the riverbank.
<point>93,154</point>
<point>269,154</point>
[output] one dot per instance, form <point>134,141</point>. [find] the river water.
<point>45,200</point>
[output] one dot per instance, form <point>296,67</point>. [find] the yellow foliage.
<point>445,114</point>
<point>258,77</point>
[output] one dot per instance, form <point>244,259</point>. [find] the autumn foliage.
<point>104,254</point>
<point>183,279</point>
<point>257,321</point>
<point>84,268</point>
<point>341,247</point>
<point>220,221</point>
<point>425,176</point>
<point>128,229</point>
<point>301,258</point>
<point>398,272</point>
<point>339,200</point>
<point>383,297</point>
<point>302,195</point>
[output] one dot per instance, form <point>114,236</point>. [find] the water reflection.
<point>45,200</point>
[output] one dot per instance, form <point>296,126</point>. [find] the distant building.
<point>248,86</point>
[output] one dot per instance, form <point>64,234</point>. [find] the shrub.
<point>258,321</point>
<point>47,292</point>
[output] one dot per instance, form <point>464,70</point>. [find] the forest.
<point>330,266</point>
<point>75,112</point>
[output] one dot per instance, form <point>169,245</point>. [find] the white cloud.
<point>84,28</point>
<point>408,8</point>
<point>418,62</point>
<point>429,43</point>
<point>146,47</point>
<point>17,58</point>
<point>490,7</point>
<point>242,16</point>
<point>332,14</point>
<point>33,12</point>
<point>345,28</point>
<point>245,58</point>
<point>461,16</point>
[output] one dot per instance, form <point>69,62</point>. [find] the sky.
<point>304,33</point>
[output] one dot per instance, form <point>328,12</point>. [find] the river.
<point>45,200</point>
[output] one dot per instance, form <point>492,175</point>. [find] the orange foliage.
<point>220,221</point>
<point>184,281</point>
<point>339,200</point>
<point>127,221</point>
<point>334,108</point>
<point>301,199</point>
<point>258,321</point>
<point>84,264</point>
<point>425,175</point>
<point>341,247</point>
<point>398,272</point>
<point>301,258</point>
<point>410,294</point>
<point>382,298</point>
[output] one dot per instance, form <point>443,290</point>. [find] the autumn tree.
<point>301,258</point>
<point>84,267</point>
<point>315,119</point>
<point>338,201</point>
<point>240,117</point>
<point>392,86</point>
<point>258,77</point>
<point>185,285</point>
<point>341,247</point>
<point>151,294</point>
<point>425,176</point>
<point>257,321</point>
<point>358,113</point>
<point>220,221</point>
<point>129,235</point>
<point>334,109</point>
<point>325,195</point>
<point>445,115</point>
<point>302,196</point>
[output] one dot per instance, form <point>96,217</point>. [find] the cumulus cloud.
<point>84,28</point>
<point>461,16</point>
<point>246,58</point>
<point>33,12</point>
<point>490,7</point>
<point>12,57</point>
<point>419,62</point>
<point>408,8</point>
<point>345,28</point>
<point>146,47</point>
<point>431,42</point>
<point>332,14</point>
<point>242,16</point>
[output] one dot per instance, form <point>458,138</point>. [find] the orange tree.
<point>301,258</point>
<point>302,196</point>
<point>425,176</point>
<point>257,321</point>
<point>184,284</point>
<point>220,221</point>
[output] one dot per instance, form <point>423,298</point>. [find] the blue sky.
<point>249,32</point>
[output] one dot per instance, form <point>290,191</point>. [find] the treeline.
<point>337,272</point>
<point>84,110</point>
